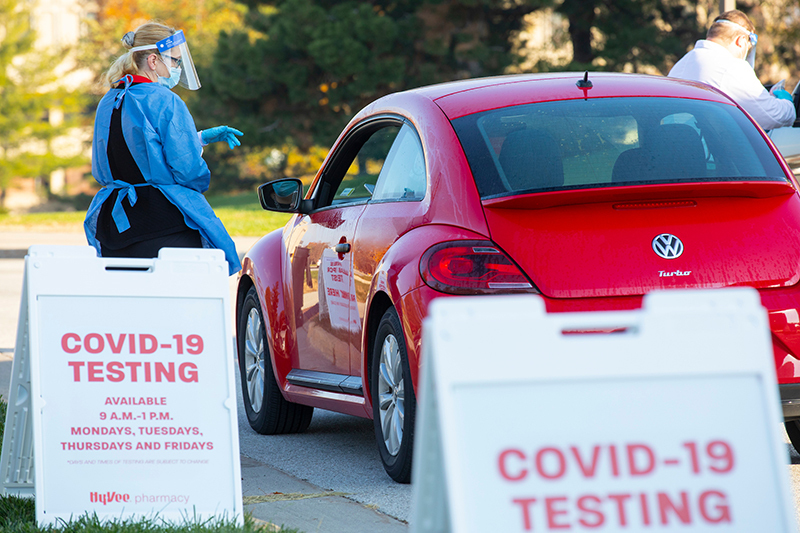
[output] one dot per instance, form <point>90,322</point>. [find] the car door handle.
<point>342,248</point>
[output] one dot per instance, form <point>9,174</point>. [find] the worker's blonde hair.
<point>133,62</point>
<point>727,32</point>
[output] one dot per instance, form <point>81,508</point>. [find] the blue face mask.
<point>174,78</point>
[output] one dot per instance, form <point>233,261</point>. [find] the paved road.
<point>336,456</point>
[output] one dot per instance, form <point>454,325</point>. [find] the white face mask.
<point>174,78</point>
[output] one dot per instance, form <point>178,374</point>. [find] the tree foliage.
<point>201,20</point>
<point>778,54</point>
<point>629,35</point>
<point>35,110</point>
<point>291,73</point>
<point>301,68</point>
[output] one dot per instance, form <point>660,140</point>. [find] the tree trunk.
<point>582,17</point>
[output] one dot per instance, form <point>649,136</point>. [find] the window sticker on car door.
<point>337,295</point>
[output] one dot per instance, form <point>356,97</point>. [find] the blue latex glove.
<point>220,134</point>
<point>782,94</point>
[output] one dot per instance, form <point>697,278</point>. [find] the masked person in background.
<point>725,59</point>
<point>147,154</point>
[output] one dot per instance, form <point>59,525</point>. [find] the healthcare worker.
<point>725,59</point>
<point>147,154</point>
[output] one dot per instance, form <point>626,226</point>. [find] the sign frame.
<point>717,337</point>
<point>59,278</point>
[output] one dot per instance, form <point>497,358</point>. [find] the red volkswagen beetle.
<point>587,190</point>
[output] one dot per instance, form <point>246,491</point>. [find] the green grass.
<point>244,223</point>
<point>18,515</point>
<point>71,222</point>
<point>241,214</point>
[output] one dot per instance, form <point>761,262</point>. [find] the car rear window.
<point>599,142</point>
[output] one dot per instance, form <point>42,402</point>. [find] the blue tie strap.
<point>126,81</point>
<point>127,190</point>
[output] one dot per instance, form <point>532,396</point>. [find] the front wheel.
<point>393,401</point>
<point>267,410</point>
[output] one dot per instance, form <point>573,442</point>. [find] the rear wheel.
<point>267,411</point>
<point>793,431</point>
<point>393,401</point>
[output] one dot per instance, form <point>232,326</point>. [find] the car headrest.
<point>673,152</point>
<point>531,159</point>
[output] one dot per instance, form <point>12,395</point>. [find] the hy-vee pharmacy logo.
<point>108,497</point>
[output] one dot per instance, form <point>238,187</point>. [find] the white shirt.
<point>713,64</point>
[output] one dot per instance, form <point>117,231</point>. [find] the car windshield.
<point>600,142</point>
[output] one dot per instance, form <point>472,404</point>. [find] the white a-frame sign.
<point>665,418</point>
<point>122,400</point>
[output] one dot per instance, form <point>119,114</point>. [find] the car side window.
<point>359,181</point>
<point>403,175</point>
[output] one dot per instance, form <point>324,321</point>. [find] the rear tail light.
<point>472,267</point>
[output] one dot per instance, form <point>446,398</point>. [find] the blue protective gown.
<point>162,138</point>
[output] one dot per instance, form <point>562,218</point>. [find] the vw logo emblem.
<point>667,246</point>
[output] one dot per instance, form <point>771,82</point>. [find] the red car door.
<point>320,250</point>
<point>318,276</point>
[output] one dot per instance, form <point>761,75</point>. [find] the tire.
<point>393,402</point>
<point>793,431</point>
<point>267,410</point>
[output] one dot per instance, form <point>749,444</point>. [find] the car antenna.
<point>585,83</point>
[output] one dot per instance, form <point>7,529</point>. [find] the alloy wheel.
<point>391,394</point>
<point>254,359</point>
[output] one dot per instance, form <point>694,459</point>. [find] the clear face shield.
<point>751,54</point>
<point>174,52</point>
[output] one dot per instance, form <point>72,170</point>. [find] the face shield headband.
<point>751,54</point>
<point>174,52</point>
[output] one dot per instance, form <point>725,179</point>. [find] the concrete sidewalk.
<point>270,495</point>
<point>280,499</point>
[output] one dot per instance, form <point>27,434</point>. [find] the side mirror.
<point>284,195</point>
